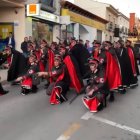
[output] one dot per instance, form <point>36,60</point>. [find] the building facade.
<point>14,18</point>
<point>46,23</point>
<point>83,24</point>
<point>109,13</point>
<point>123,26</point>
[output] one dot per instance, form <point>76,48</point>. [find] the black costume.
<point>97,83</point>
<point>59,85</point>
<point>30,80</point>
<point>81,54</point>
<point>18,65</point>
<point>126,68</point>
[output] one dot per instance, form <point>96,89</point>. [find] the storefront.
<point>85,24</point>
<point>42,30</point>
<point>44,25</point>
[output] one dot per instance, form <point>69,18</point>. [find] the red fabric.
<point>73,75</point>
<point>91,104</point>
<point>27,82</point>
<point>41,65</point>
<point>95,54</point>
<point>50,61</point>
<point>132,59</point>
<point>55,93</point>
<point>113,75</point>
<point>9,59</point>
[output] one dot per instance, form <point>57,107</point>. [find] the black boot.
<point>34,89</point>
<point>112,97</point>
<point>100,107</point>
<point>25,91</point>
<point>123,91</point>
<point>2,91</point>
<point>104,101</point>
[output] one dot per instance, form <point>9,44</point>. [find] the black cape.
<point>125,66</point>
<point>18,66</point>
<point>81,54</point>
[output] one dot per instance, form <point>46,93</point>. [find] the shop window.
<point>68,31</point>
<point>42,31</point>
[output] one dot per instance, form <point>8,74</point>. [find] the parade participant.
<point>109,47</point>
<point>30,80</point>
<point>49,58</point>
<point>60,81</point>
<point>81,54</point>
<point>16,63</point>
<point>96,91</point>
<point>113,73</point>
<point>108,62</point>
<point>41,54</point>
<point>125,65</point>
<point>132,56</point>
<point>73,69</point>
<point>128,77</point>
<point>97,49</point>
<point>54,47</point>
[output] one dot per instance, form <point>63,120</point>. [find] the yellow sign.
<point>83,20</point>
<point>5,29</point>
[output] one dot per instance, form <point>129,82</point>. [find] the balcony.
<point>110,27</point>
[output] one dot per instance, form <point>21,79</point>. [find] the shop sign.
<point>48,16</point>
<point>83,20</point>
<point>33,9</point>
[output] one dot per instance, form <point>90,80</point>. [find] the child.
<point>29,81</point>
<point>95,98</point>
<point>60,81</point>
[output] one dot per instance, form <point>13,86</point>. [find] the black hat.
<point>58,57</point>
<point>93,61</point>
<point>62,46</point>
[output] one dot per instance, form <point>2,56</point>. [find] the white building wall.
<point>123,22</point>
<point>92,6</point>
<point>103,36</point>
<point>11,16</point>
<point>90,35</point>
<point>56,33</point>
<point>28,26</point>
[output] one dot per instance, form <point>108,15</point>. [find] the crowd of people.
<point>99,73</point>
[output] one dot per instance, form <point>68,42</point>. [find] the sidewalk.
<point>3,75</point>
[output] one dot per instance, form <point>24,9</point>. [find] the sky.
<point>124,6</point>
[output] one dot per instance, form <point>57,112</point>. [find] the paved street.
<point>31,117</point>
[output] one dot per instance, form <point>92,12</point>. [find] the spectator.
<point>24,46</point>
<point>87,45</point>
<point>81,41</point>
<point>10,40</point>
<point>30,39</point>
